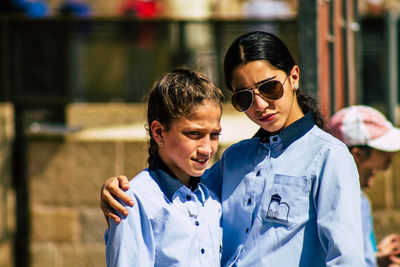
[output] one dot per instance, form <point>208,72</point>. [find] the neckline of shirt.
<point>289,134</point>
<point>168,181</point>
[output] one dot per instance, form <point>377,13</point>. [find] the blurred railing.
<point>47,63</point>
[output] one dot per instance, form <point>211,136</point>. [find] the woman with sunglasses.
<point>290,194</point>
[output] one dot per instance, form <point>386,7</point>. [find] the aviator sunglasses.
<point>271,90</point>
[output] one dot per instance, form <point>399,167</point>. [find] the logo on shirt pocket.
<point>278,210</point>
<point>287,203</point>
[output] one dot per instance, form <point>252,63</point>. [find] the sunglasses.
<point>271,90</point>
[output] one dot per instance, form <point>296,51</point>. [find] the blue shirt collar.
<point>291,133</point>
<point>166,179</point>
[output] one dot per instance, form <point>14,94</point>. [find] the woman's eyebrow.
<point>256,84</point>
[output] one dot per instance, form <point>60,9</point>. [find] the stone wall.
<point>7,196</point>
<point>66,170</point>
<point>64,182</point>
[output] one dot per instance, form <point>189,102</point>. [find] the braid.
<point>152,150</point>
<point>308,104</point>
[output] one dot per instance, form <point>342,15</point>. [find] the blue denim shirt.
<point>291,199</point>
<point>169,224</point>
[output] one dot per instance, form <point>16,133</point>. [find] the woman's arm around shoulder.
<point>112,190</point>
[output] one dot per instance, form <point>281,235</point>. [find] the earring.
<point>295,87</point>
<point>160,144</point>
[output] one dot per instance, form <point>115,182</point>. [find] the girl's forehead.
<point>246,75</point>
<point>200,110</point>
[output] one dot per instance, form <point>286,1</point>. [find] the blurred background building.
<point>73,79</point>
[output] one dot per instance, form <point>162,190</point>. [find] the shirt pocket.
<point>286,202</point>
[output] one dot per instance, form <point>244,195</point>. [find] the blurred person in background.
<point>372,140</point>
<point>140,8</point>
<point>33,8</point>
<point>268,9</point>
<point>78,8</point>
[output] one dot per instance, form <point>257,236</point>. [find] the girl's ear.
<point>156,130</point>
<point>295,77</point>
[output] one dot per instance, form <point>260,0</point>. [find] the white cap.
<point>362,125</point>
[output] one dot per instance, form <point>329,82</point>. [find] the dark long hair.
<point>260,45</point>
<point>174,96</point>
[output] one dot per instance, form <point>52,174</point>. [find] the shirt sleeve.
<point>131,242</point>
<point>337,202</point>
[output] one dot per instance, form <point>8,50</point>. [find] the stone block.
<point>134,159</point>
<point>93,225</point>
<point>44,255</point>
<point>97,114</point>
<point>386,222</point>
<point>6,259</point>
<point>7,212</point>
<point>11,207</point>
<point>50,224</point>
<point>83,256</point>
<point>380,192</point>
<point>69,174</point>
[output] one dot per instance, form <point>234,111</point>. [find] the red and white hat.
<point>362,125</point>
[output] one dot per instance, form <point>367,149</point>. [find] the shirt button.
<point>202,251</point>
<point>274,138</point>
<point>258,173</point>
<point>247,230</point>
<point>196,223</point>
<point>188,197</point>
<point>249,201</point>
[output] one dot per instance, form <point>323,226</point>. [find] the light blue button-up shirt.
<point>291,201</point>
<point>169,224</point>
<point>368,232</point>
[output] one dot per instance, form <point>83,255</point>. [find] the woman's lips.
<point>268,117</point>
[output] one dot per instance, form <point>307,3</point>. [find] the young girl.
<point>176,219</point>
<point>290,195</point>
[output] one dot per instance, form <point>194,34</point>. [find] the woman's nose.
<point>260,103</point>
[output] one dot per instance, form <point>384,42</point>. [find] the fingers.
<point>108,202</point>
<point>107,210</point>
<point>388,249</point>
<point>123,182</point>
<point>109,214</point>
<point>113,186</point>
<point>389,243</point>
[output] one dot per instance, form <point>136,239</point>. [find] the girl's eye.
<point>215,135</point>
<point>194,134</point>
